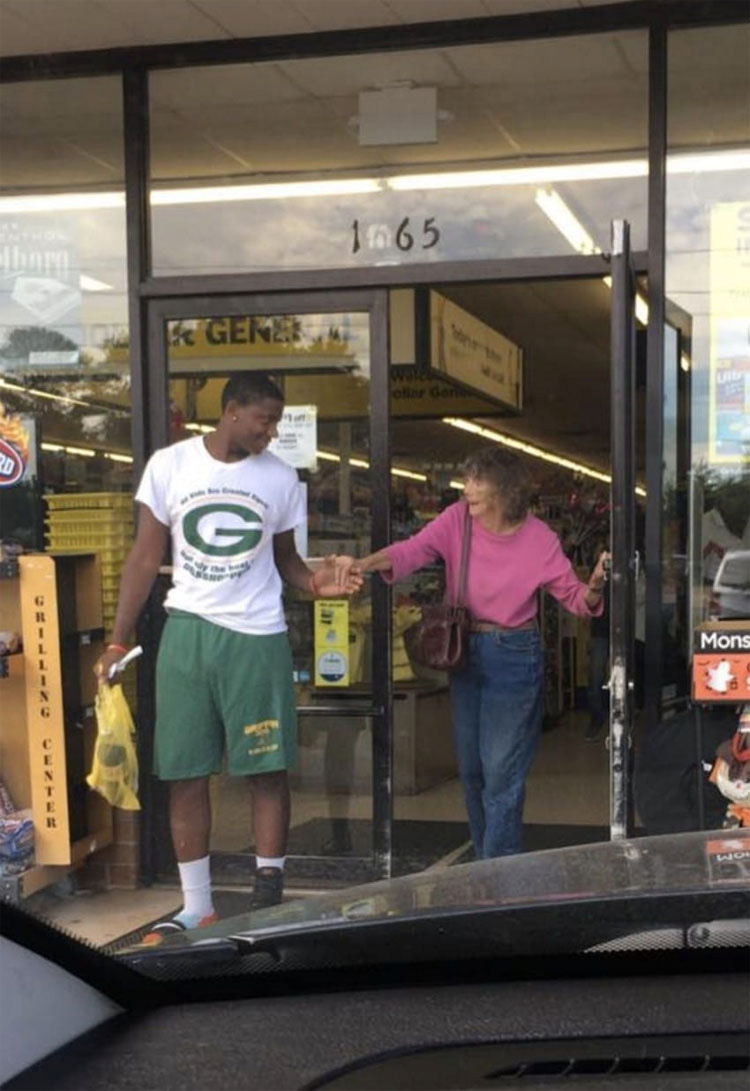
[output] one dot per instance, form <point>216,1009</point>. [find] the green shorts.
<point>216,689</point>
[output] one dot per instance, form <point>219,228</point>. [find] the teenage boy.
<point>224,671</point>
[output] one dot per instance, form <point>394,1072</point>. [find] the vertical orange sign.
<point>44,710</point>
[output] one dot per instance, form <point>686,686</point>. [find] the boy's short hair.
<point>247,387</point>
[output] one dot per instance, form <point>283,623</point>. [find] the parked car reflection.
<point>731,588</point>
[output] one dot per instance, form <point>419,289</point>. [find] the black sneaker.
<point>269,888</point>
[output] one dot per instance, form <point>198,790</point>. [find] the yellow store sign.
<point>468,351</point>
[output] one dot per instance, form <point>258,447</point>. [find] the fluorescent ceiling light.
<point>362,464</point>
<point>411,474</point>
<point>44,394</point>
<point>698,163</point>
<point>569,226</point>
<point>641,309</point>
<point>334,187</point>
<point>530,449</point>
<point>538,175</point>
<point>62,202</point>
<point>704,162</point>
<point>86,452</point>
<point>641,306</point>
<point>522,176</point>
<point>526,448</point>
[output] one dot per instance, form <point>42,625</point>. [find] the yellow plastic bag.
<point>114,773</point>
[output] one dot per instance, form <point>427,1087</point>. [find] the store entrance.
<point>382,407</point>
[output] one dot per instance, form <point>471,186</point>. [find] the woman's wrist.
<point>595,589</point>
<point>115,647</point>
<point>313,587</point>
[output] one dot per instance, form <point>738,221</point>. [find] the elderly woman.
<point>497,696</point>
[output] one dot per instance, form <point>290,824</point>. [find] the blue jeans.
<point>497,700</point>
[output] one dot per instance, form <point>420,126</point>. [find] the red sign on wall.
<point>721,663</point>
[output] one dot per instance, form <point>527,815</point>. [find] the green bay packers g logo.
<point>240,539</point>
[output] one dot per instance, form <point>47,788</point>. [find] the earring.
<point>234,418</point>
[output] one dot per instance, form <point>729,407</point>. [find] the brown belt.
<point>493,627</point>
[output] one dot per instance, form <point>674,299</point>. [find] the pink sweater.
<point>505,570</point>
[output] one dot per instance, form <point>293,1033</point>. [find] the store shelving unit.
<point>100,523</point>
<point>47,724</point>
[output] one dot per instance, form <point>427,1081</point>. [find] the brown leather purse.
<point>438,640</point>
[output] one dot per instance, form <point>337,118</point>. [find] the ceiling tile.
<point>540,63</point>
<point>218,87</point>
<point>62,106</point>
<point>426,11</point>
<point>345,14</point>
<point>64,25</point>
<point>341,76</point>
<point>164,21</point>
<point>254,18</point>
<point>16,34</point>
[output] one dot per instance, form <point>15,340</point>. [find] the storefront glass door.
<point>328,356</point>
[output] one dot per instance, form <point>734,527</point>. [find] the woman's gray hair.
<point>507,473</point>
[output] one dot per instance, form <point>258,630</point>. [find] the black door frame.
<point>622,533</point>
<point>379,707</point>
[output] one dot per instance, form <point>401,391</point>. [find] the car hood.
<point>640,868</point>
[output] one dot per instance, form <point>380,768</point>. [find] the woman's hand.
<point>599,576</point>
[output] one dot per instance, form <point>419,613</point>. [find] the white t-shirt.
<point>222,517</point>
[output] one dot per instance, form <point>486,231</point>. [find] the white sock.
<point>270,861</point>
<point>195,879</point>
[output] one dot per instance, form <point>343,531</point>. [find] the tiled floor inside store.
<point>568,785</point>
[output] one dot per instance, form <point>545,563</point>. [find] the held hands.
<point>336,576</point>
<point>349,568</point>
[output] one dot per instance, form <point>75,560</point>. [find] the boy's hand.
<point>104,665</point>
<point>337,575</point>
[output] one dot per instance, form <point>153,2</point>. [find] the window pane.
<point>487,151</point>
<point>65,411</point>
<point>63,294</point>
<point>706,407</point>
<point>708,280</point>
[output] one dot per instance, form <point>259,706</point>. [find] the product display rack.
<point>101,523</point>
<point>47,726</point>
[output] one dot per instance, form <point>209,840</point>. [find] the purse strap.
<point>464,568</point>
